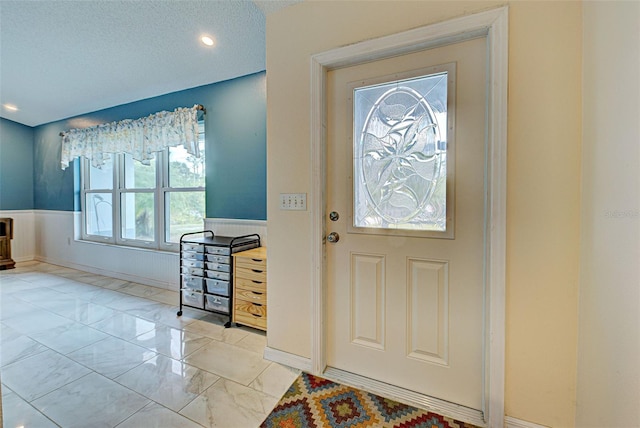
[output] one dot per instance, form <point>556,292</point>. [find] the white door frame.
<point>494,25</point>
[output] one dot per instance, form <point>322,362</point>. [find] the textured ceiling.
<point>64,58</point>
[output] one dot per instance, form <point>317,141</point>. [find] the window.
<point>403,173</point>
<point>129,203</point>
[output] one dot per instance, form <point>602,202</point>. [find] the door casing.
<point>494,25</point>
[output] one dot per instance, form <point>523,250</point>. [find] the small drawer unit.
<point>215,286</point>
<point>250,288</point>
<point>192,298</point>
<point>217,303</point>
<point>192,283</point>
<point>206,270</point>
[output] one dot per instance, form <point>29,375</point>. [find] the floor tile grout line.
<point>220,378</point>
<point>30,405</point>
<point>39,397</point>
<point>153,319</point>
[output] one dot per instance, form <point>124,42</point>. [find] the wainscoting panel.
<point>56,243</point>
<point>54,237</point>
<point>23,245</point>
<point>233,227</point>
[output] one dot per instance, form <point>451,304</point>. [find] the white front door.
<point>405,205</point>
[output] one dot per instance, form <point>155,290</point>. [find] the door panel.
<point>428,311</point>
<point>367,300</point>
<point>406,307</point>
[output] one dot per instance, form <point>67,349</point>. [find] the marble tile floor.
<point>84,350</point>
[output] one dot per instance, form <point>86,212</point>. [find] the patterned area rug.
<point>314,402</point>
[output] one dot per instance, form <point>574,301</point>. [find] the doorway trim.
<point>494,25</point>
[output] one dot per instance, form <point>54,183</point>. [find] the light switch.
<point>293,201</point>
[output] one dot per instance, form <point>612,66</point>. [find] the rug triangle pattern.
<point>314,402</point>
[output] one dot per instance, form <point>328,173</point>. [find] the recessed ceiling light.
<point>207,40</point>
<point>10,107</point>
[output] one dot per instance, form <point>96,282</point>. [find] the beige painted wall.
<point>609,339</point>
<point>543,187</point>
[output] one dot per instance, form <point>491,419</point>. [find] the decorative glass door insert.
<point>401,153</point>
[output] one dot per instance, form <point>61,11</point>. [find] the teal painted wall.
<point>16,166</point>
<point>237,151</point>
<point>235,133</point>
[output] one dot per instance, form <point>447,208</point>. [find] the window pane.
<point>101,178</point>
<point>186,170</point>
<point>98,214</point>
<point>400,154</point>
<point>184,213</point>
<point>137,216</point>
<point>137,175</point>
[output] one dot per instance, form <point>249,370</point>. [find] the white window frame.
<point>160,192</point>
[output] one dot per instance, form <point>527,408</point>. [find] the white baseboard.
<point>57,243</point>
<point>511,422</point>
<point>291,360</point>
<point>109,273</point>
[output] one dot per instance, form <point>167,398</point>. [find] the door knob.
<point>333,237</point>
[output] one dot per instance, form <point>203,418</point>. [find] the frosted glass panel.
<point>400,154</point>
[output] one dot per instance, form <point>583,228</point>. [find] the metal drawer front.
<point>224,276</point>
<point>223,251</point>
<point>215,258</point>
<point>192,263</point>
<point>215,286</point>
<point>216,303</point>
<point>192,298</point>
<point>192,283</point>
<point>219,267</point>
<point>193,271</point>
<point>192,247</point>
<point>190,255</point>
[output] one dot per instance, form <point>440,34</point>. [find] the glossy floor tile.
<point>112,357</point>
<point>169,382</point>
<point>228,361</point>
<point>69,337</point>
<point>123,325</point>
<point>92,401</point>
<point>79,350</point>
<point>172,342</point>
<point>19,413</point>
<point>39,374</point>
<point>154,415</point>
<point>15,346</point>
<point>228,404</point>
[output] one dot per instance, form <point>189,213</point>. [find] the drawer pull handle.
<point>255,292</point>
<point>257,260</point>
<point>257,271</point>
<point>257,316</point>
<point>256,304</point>
<point>257,282</point>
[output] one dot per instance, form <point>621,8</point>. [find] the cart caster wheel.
<point>179,313</point>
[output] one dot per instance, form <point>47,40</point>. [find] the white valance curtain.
<point>140,138</point>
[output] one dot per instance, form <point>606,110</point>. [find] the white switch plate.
<point>293,201</point>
